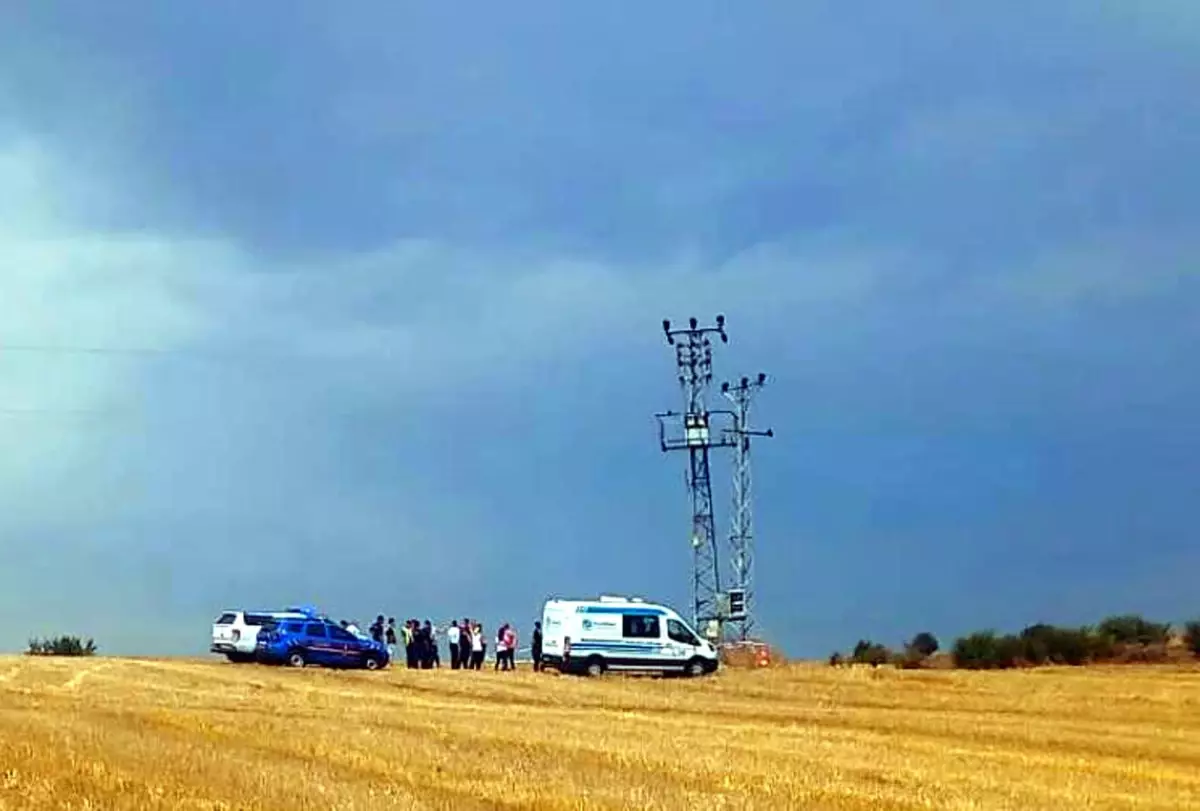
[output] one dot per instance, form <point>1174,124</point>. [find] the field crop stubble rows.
<point>112,733</point>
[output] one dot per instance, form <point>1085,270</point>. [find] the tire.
<point>371,663</point>
<point>240,658</point>
<point>594,667</point>
<point>696,667</point>
<point>296,659</point>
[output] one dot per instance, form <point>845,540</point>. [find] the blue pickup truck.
<point>317,641</point>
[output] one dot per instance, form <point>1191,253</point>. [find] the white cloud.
<point>63,285</point>
<point>1115,269</point>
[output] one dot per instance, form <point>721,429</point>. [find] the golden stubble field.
<point>114,733</point>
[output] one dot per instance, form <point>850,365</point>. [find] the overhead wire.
<point>226,356</point>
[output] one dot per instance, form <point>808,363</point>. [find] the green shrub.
<point>984,650</point>
<point>62,646</point>
<point>1133,629</point>
<point>1101,646</point>
<point>924,643</point>
<point>1141,654</point>
<point>1045,644</point>
<point>1036,641</point>
<point>1192,636</point>
<point>870,653</point>
<point>835,659</point>
<point>1071,646</point>
<point>976,651</point>
<point>1008,651</point>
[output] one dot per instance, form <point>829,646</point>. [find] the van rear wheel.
<point>595,667</point>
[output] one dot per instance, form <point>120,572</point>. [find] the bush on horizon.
<point>62,646</point>
<point>985,650</point>
<point>1134,629</point>
<point>1191,636</point>
<point>867,652</point>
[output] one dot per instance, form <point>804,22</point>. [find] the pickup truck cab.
<point>317,641</point>
<point>235,633</point>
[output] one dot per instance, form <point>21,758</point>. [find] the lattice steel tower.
<point>741,534</point>
<point>693,355</point>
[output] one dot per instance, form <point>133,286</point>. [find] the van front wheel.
<point>696,667</point>
<point>595,666</point>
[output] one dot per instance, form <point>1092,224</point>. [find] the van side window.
<point>340,634</point>
<point>257,619</point>
<point>227,618</point>
<point>314,629</point>
<point>639,627</point>
<point>679,633</point>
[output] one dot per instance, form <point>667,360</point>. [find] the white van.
<point>621,633</point>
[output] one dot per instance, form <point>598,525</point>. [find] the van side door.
<point>641,640</point>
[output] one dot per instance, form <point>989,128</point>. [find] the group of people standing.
<point>466,640</point>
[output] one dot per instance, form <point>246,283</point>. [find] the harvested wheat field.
<point>112,733</point>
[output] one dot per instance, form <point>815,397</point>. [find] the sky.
<point>361,306</point>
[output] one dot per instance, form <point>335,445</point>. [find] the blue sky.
<point>395,274</point>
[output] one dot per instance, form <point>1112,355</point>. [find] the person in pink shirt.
<point>510,647</point>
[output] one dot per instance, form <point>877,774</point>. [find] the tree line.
<point>62,646</point>
<point>1126,638</point>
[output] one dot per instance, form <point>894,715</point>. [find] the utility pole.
<point>741,535</point>
<point>693,356</point>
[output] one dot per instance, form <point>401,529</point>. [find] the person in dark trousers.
<point>433,651</point>
<point>419,643</point>
<point>390,636</point>
<point>426,651</point>
<point>466,644</point>
<point>510,647</point>
<point>536,647</point>
<point>377,629</point>
<point>452,639</point>
<point>500,657</point>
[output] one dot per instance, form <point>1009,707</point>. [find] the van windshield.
<point>678,632</point>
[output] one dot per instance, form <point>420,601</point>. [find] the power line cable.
<point>48,349</point>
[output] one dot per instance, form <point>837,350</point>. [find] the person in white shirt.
<point>478,647</point>
<point>453,637</point>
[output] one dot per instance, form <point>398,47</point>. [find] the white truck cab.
<point>235,633</point>
<point>622,634</point>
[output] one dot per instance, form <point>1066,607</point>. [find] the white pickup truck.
<point>235,633</point>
